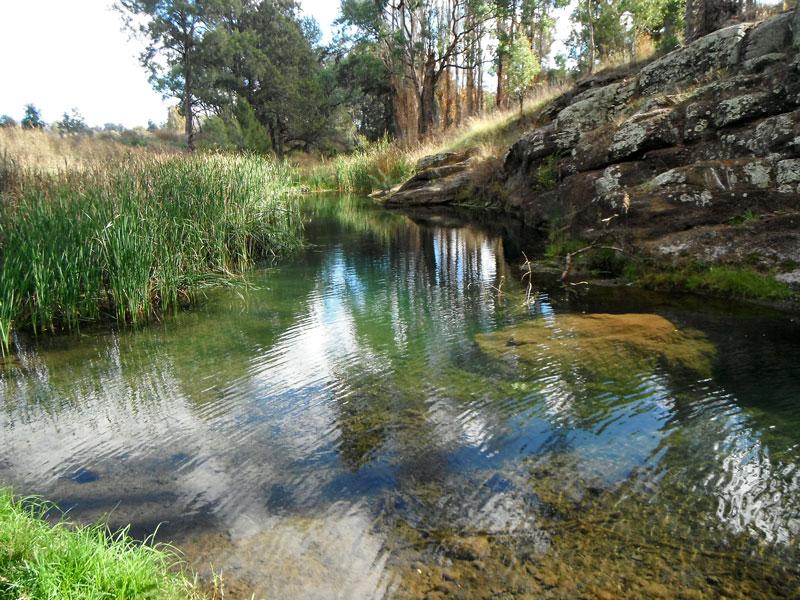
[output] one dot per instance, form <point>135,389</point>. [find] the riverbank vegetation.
<point>130,241</point>
<point>45,559</point>
<point>720,280</point>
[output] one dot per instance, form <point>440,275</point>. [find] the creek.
<point>383,414</point>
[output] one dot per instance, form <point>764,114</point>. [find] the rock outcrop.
<point>438,180</point>
<point>697,154</point>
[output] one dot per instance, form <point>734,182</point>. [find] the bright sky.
<point>61,54</point>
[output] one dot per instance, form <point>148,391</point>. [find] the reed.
<point>129,242</point>
<point>378,166</point>
<point>40,560</point>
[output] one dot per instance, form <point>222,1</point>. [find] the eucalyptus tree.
<point>420,42</point>
<point>538,22</point>
<point>523,67</point>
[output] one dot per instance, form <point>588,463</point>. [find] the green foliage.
<point>747,216</point>
<point>547,172</point>
<point>236,129</point>
<point>214,134</point>
<point>32,118</point>
<point>73,124</point>
<point>254,136</point>
<point>7,121</point>
<point>614,28</point>
<point>40,560</point>
<point>522,67</point>
<point>366,80</point>
<point>559,247</point>
<point>137,241</point>
<point>735,282</point>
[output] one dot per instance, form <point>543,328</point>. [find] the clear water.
<point>384,415</point>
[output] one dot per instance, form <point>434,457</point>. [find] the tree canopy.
<point>253,74</point>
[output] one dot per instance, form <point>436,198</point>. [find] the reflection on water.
<point>382,416</point>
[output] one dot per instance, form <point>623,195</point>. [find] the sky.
<point>61,54</point>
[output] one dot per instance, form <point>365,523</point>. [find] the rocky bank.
<point>694,156</point>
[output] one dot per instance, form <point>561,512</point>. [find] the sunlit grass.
<point>136,240</point>
<point>378,166</point>
<point>39,560</point>
<point>726,281</point>
<point>49,152</point>
<point>384,164</point>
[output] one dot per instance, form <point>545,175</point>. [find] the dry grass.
<point>46,151</point>
<point>493,133</point>
<point>385,164</point>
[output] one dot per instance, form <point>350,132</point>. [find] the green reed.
<point>133,241</point>
<point>376,167</point>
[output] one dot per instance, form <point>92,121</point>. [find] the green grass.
<point>130,242</point>
<point>547,172</point>
<point>376,167</point>
<point>747,216</point>
<point>733,282</point>
<point>62,561</point>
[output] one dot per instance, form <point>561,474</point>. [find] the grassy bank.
<point>723,281</point>
<point>128,242</point>
<point>385,164</point>
<point>40,560</point>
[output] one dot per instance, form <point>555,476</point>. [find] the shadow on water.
<point>383,415</point>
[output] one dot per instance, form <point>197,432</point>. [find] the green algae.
<point>606,345</point>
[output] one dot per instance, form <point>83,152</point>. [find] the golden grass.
<point>385,164</point>
<point>46,151</point>
<point>494,132</point>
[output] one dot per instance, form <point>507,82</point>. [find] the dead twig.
<point>571,257</point>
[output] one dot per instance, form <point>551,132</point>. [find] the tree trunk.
<point>428,108</point>
<point>688,21</point>
<point>276,138</point>
<point>448,100</point>
<point>470,91</point>
<point>796,26</point>
<point>188,109</point>
<point>590,25</point>
<point>458,97</point>
<point>500,96</point>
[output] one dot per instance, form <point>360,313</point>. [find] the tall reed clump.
<point>40,560</point>
<point>378,166</point>
<point>135,241</point>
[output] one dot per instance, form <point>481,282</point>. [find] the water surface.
<point>384,415</point>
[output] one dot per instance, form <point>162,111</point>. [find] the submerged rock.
<point>603,344</point>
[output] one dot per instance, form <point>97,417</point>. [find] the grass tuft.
<point>733,282</point>
<point>40,560</point>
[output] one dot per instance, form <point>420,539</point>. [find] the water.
<point>384,415</point>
